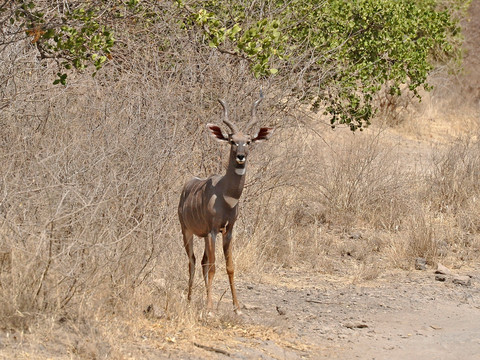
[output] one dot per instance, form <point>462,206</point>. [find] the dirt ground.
<point>400,315</point>
<point>300,314</point>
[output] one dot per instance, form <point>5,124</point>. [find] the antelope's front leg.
<point>208,266</point>
<point>227,251</point>
<point>188,243</point>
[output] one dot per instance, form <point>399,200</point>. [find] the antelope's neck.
<point>234,179</point>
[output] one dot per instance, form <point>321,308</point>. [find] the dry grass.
<point>91,174</point>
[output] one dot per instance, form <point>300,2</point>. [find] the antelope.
<point>210,206</point>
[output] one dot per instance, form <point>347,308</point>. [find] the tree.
<point>337,54</point>
<point>72,33</point>
<point>342,52</point>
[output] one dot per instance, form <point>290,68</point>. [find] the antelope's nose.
<point>240,159</point>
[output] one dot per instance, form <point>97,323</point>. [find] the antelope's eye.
<point>249,142</point>
<point>232,142</point>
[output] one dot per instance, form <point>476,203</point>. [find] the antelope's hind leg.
<point>227,251</point>
<point>188,243</point>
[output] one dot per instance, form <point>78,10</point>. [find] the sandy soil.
<point>299,314</point>
<point>400,315</point>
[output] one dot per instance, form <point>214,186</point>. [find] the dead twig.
<point>323,302</point>
<point>210,348</point>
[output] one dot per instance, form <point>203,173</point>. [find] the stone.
<point>441,269</point>
<point>154,312</point>
<point>355,236</point>
<point>420,263</point>
<point>280,310</point>
<point>250,307</point>
<point>462,280</point>
<point>356,325</point>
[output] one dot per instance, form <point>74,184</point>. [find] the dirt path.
<point>402,315</point>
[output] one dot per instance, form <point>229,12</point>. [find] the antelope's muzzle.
<point>240,159</point>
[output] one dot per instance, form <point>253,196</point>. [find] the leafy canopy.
<point>342,52</point>
<point>339,54</point>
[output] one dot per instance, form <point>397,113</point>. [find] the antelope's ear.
<point>263,134</point>
<point>216,132</point>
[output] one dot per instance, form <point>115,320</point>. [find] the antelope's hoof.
<point>238,312</point>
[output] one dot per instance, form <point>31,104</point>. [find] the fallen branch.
<point>209,348</point>
<point>323,302</point>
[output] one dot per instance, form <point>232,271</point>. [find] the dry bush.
<point>83,206</point>
<point>356,182</point>
<point>422,241</point>
<point>362,183</point>
<point>264,228</point>
<point>92,174</point>
<point>422,236</point>
<point>454,187</point>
